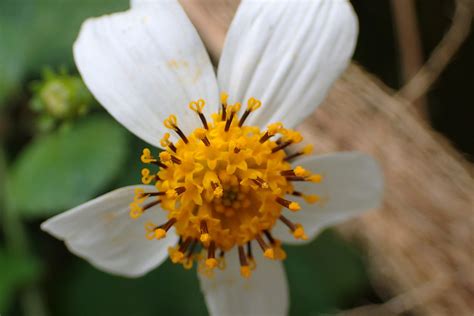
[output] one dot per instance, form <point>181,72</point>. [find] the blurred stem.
<point>409,42</point>
<point>16,241</point>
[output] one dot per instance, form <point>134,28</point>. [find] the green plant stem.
<point>17,242</point>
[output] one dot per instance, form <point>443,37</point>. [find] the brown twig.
<point>409,42</point>
<point>442,54</point>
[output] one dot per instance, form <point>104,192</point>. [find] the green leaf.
<point>68,167</point>
<point>15,272</point>
<point>168,290</point>
<point>35,33</point>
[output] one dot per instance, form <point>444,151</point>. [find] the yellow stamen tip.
<point>165,141</point>
<point>211,263</point>
<point>165,156</point>
<point>205,238</point>
<point>170,122</point>
<point>300,171</point>
<point>316,178</point>
<point>311,198</point>
<point>299,233</point>
<point>269,253</point>
<point>245,271</point>
<point>160,233</point>
<point>253,104</point>
<point>274,128</point>
<point>224,97</point>
<point>308,149</point>
<point>176,256</point>
<point>236,107</point>
<point>294,206</point>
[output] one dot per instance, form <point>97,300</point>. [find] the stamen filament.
<point>265,137</point>
<point>293,206</point>
<point>244,117</point>
<point>175,159</point>
<point>151,204</point>
<point>211,261</point>
<point>148,194</point>
<point>229,121</point>
<point>160,164</point>
<point>206,141</point>
<point>181,134</point>
<point>204,233</point>
<point>282,146</point>
<point>172,147</point>
<point>267,250</point>
<point>269,237</point>
<point>224,111</point>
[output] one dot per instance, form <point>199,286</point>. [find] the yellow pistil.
<point>224,185</point>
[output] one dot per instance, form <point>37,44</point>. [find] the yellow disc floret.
<point>224,186</point>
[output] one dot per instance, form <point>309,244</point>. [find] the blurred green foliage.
<point>67,167</point>
<point>15,271</point>
<point>36,33</point>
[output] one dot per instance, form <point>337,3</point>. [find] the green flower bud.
<point>61,96</point>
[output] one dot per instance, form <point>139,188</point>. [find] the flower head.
<point>223,186</point>
<point>232,175</point>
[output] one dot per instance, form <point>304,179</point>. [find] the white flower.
<point>223,186</point>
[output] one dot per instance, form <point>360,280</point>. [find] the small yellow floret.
<point>200,133</point>
<point>211,263</point>
<point>245,271</point>
<point>160,233</point>
<point>269,253</point>
<point>294,206</point>
<point>171,194</point>
<point>218,192</point>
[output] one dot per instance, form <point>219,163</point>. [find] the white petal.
<point>287,54</point>
<point>102,232</point>
<point>139,3</point>
<point>264,293</point>
<point>352,183</point>
<point>145,64</point>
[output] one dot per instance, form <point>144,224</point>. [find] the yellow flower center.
<point>223,186</point>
